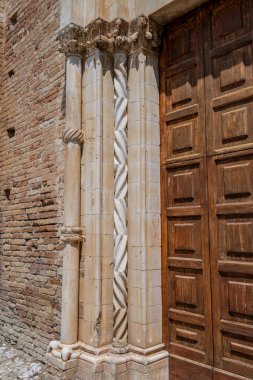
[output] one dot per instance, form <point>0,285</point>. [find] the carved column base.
<point>87,362</point>
<point>60,365</point>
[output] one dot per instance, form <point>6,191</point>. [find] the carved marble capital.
<point>144,33</point>
<point>114,36</point>
<point>71,40</point>
<point>73,135</point>
<point>72,234</point>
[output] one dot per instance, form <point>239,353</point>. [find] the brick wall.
<point>2,24</point>
<point>2,20</point>
<point>31,174</point>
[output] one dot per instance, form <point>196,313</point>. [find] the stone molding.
<point>105,354</point>
<point>73,135</point>
<point>105,364</point>
<point>114,36</point>
<point>71,234</point>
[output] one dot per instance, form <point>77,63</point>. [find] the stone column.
<point>144,221</point>
<point>71,233</point>
<point>96,295</point>
<point>145,306</point>
<point>120,296</point>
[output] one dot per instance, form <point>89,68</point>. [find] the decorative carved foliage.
<point>117,35</point>
<point>71,39</point>
<point>143,32</point>
<point>97,36</point>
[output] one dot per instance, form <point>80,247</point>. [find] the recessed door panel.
<point>184,88</point>
<point>231,248</point>
<point>228,76</point>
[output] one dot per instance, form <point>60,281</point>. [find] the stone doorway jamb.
<point>144,354</point>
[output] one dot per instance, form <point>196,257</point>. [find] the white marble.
<point>120,201</point>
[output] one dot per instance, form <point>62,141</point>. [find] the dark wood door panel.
<point>224,375</point>
<point>231,244</point>
<point>186,286</point>
<point>229,76</point>
<point>229,20</point>
<point>186,186</point>
<point>183,369</point>
<point>232,176</point>
<point>189,296</point>
<point>184,90</point>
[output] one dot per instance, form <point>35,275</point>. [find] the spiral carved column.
<point>120,202</point>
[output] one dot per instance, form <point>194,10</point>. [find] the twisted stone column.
<point>120,202</point>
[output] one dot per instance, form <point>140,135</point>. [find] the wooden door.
<point>207,191</point>
<point>229,125</point>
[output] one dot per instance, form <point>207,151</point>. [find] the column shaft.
<point>144,248</point>
<point>120,201</point>
<point>96,294</point>
<point>72,138</point>
<point>73,149</point>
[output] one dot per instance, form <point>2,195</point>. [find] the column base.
<point>89,363</point>
<point>57,369</point>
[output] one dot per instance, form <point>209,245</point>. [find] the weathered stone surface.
<point>83,12</point>
<point>16,365</point>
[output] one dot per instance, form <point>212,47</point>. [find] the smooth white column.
<point>144,237</point>
<point>96,277</point>
<point>71,232</point>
